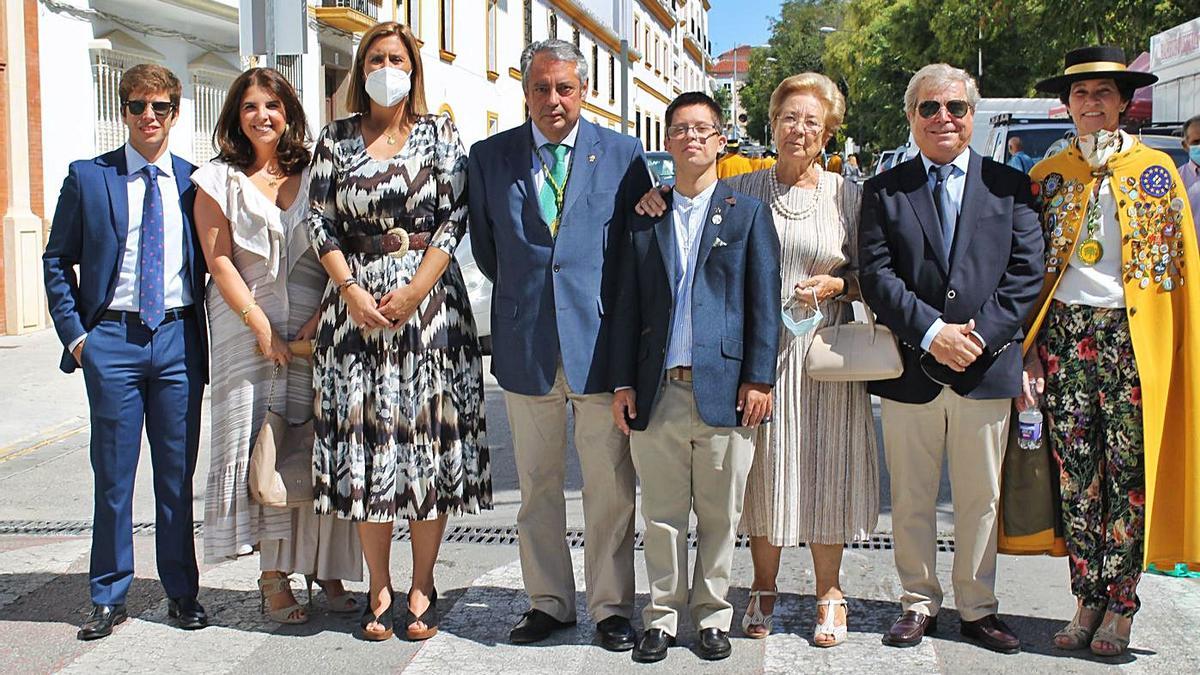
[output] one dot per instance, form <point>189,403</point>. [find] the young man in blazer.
<point>548,201</point>
<point>133,321</point>
<point>694,347</point>
<point>950,258</point>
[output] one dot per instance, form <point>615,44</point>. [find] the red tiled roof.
<point>725,62</point>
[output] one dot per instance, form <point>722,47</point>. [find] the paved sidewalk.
<point>45,482</point>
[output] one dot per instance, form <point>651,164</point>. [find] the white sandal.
<point>754,615</point>
<point>827,627</point>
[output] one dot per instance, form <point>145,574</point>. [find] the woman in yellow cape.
<point>1115,345</point>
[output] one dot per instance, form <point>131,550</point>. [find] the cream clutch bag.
<point>854,352</point>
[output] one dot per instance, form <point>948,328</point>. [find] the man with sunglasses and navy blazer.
<point>950,259</point>
<point>132,319</point>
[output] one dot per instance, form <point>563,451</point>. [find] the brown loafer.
<point>909,629</point>
<point>991,633</point>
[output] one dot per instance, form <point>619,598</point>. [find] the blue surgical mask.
<point>802,327</point>
<point>1194,153</point>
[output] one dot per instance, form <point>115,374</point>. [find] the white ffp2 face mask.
<point>388,86</point>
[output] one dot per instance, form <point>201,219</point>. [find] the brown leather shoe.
<point>991,633</point>
<point>909,629</point>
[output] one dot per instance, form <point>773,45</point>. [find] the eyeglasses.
<point>703,131</point>
<point>958,109</point>
<point>160,108</point>
<point>811,125</point>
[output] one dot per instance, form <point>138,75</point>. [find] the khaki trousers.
<point>686,465</point>
<point>539,431</point>
<point>973,435</point>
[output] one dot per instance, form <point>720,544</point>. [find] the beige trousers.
<point>539,431</point>
<point>972,434</point>
<point>685,465</point>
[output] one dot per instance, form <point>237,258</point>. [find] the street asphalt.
<point>45,512</point>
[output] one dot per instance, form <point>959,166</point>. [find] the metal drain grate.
<point>458,534</point>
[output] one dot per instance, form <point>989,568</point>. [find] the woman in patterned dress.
<point>251,204</point>
<point>815,478</point>
<point>398,369</point>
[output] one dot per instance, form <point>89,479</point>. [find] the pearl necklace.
<point>778,197</point>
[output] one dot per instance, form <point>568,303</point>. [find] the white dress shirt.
<point>687,216</point>
<point>539,157</point>
<point>176,292</point>
<point>954,186</point>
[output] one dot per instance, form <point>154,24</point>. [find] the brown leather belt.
<point>395,242</point>
<point>680,374</point>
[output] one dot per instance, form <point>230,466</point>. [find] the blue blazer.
<point>994,275</point>
<point>552,296</point>
<point>735,306</point>
<point>91,223</point>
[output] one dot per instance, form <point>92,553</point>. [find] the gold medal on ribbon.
<point>1090,252</point>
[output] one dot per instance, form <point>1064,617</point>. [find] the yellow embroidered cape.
<point>1161,276</point>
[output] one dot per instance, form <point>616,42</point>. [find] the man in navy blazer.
<point>694,352</point>
<point>548,202</point>
<point>133,321</point>
<point>950,256</point>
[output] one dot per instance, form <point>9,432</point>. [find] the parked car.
<point>662,167</point>
<point>1039,136</point>
<point>479,291</point>
<point>886,160</point>
<point>1168,144</point>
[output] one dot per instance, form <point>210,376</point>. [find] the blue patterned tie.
<point>150,260</point>
<point>945,208</point>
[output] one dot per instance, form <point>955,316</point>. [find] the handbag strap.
<point>271,393</point>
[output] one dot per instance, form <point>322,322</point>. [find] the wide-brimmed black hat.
<point>1095,63</point>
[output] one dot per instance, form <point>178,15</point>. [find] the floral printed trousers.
<point>1094,405</point>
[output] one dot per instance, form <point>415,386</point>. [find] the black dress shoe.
<point>535,626</point>
<point>909,629</point>
<point>991,633</point>
<point>187,613</point>
<point>653,646</point>
<point>713,645</point>
<point>101,621</point>
<point>616,634</point>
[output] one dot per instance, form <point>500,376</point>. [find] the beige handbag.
<point>854,352</point>
<point>281,464</point>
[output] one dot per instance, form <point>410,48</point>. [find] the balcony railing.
<point>352,16</point>
<point>368,7</point>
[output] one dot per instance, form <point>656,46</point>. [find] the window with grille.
<point>208,95</point>
<point>289,67</point>
<point>107,68</point>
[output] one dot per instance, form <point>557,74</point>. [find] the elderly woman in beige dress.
<point>815,478</point>
<point>251,209</point>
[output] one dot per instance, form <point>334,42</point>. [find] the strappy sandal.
<point>754,617</point>
<point>1077,635</point>
<point>828,627</point>
<point>428,617</point>
<point>1107,633</point>
<point>268,588</point>
<point>345,603</point>
<point>385,620</point>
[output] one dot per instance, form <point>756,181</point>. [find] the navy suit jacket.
<point>91,223</point>
<point>994,273</point>
<point>735,306</point>
<point>552,296</point>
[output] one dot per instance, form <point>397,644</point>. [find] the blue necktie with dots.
<point>150,259</point>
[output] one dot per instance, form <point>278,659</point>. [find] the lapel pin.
<point>731,200</point>
<point>716,219</point>
<point>591,158</point>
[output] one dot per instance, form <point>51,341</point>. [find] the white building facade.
<point>470,48</point>
<point>1175,59</point>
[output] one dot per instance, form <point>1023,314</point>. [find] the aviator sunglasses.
<point>161,108</point>
<point>957,108</point>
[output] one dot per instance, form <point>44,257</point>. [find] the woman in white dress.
<point>266,288</point>
<point>815,478</point>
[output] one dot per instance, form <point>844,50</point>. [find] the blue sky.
<point>736,22</point>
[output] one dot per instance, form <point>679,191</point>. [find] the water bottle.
<point>1029,428</point>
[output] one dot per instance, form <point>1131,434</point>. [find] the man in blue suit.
<point>950,258</point>
<point>549,200</point>
<point>694,348</point>
<point>133,321</point>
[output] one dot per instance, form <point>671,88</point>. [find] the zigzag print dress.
<point>399,413</point>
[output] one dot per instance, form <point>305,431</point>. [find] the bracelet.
<point>246,312</point>
<point>350,281</point>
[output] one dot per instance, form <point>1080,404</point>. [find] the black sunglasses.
<point>957,109</point>
<point>161,108</point>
